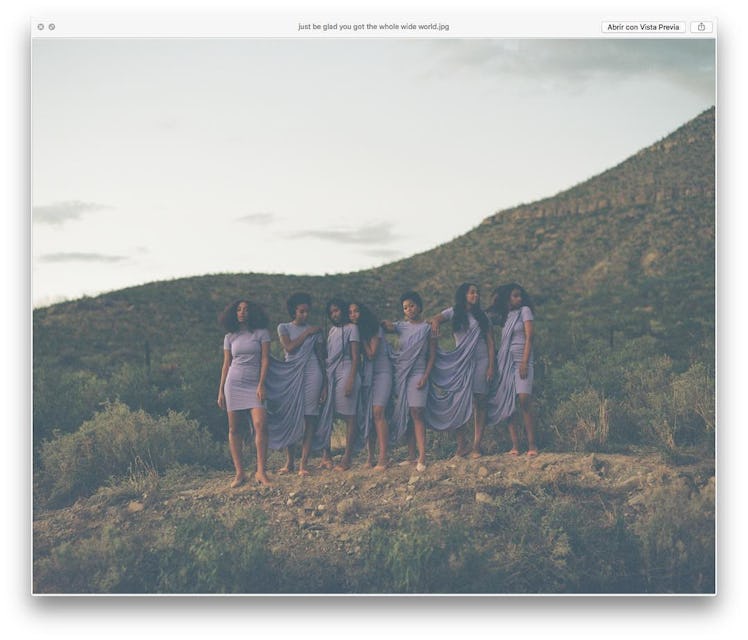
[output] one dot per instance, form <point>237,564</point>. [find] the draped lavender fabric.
<point>502,396</point>
<point>409,363</point>
<point>284,387</point>
<point>376,389</point>
<point>338,366</point>
<point>450,401</point>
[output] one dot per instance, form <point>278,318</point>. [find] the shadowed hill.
<point>626,254</point>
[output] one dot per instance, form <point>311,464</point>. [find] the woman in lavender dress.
<point>302,341</point>
<point>376,383</point>
<point>514,363</point>
<point>342,381</point>
<point>463,376</point>
<point>413,363</point>
<point>246,355</point>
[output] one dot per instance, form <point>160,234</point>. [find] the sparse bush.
<point>190,554</point>
<point>583,421</point>
<point>115,441</point>
<point>677,538</point>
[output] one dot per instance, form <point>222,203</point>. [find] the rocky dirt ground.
<point>333,509</point>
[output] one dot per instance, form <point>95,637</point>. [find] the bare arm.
<point>491,352</point>
<point>350,384</point>
<point>264,363</point>
<point>527,350</point>
<point>224,373</point>
<point>435,321</point>
<point>370,347</point>
<point>429,363</point>
<point>291,345</point>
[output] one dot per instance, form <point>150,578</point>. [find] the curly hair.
<point>340,304</point>
<point>460,318</point>
<point>412,295</point>
<point>256,316</point>
<point>295,300</point>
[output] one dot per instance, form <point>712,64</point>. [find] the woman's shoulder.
<point>526,313</point>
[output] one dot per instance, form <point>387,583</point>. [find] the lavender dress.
<point>240,388</point>
<point>293,389</point>
<point>313,378</point>
<point>507,382</point>
<point>410,365</point>
<point>338,367</point>
<point>376,387</point>
<point>453,378</point>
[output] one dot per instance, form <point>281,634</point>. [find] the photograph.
<point>422,314</point>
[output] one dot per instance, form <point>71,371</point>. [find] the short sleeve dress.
<point>517,347</point>
<point>240,388</point>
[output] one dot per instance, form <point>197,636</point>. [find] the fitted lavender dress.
<point>453,378</point>
<point>507,382</point>
<point>410,364</point>
<point>338,365</point>
<point>240,387</point>
<point>376,387</point>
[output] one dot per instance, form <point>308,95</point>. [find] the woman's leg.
<point>310,423</point>
<point>525,407</point>
<point>383,435</point>
<point>479,418</point>
<point>419,431</point>
<point>261,443</point>
<point>350,435</point>
<point>235,445</point>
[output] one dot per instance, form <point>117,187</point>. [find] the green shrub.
<point>677,533</point>
<point>189,554</point>
<point>583,421</point>
<point>113,443</point>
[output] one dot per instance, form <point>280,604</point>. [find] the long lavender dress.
<point>507,383</point>
<point>338,367</point>
<point>240,387</point>
<point>376,388</point>
<point>410,365</point>
<point>456,376</point>
<point>293,388</point>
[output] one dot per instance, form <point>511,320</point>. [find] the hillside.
<point>620,257</point>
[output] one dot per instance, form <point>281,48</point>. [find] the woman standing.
<point>514,313</point>
<point>342,382</point>
<point>246,355</point>
<point>462,376</point>
<point>304,352</point>
<point>376,383</point>
<point>413,364</point>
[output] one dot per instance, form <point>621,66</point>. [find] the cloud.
<point>81,257</point>
<point>372,234</point>
<point>575,62</point>
<point>60,212</point>
<point>385,254</point>
<point>258,218</point>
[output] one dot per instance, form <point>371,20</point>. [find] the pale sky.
<point>161,158</point>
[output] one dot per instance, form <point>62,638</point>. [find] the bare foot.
<point>238,481</point>
<point>461,452</point>
<point>263,479</point>
<point>405,463</point>
<point>513,452</point>
<point>284,470</point>
<point>303,473</point>
<point>475,453</point>
<point>369,464</point>
<point>326,464</point>
<point>532,453</point>
<point>420,467</point>
<point>343,465</point>
<point>380,467</point>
